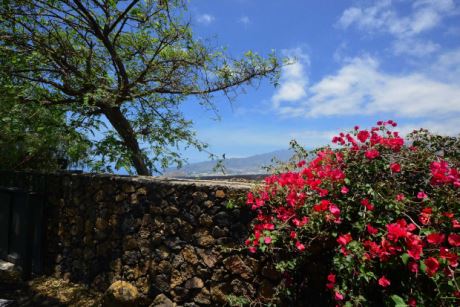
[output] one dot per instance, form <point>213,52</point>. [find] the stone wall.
<point>174,239</point>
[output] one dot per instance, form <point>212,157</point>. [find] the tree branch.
<point>122,16</point>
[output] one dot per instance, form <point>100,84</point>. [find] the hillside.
<point>233,166</point>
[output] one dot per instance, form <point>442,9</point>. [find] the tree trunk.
<point>126,132</point>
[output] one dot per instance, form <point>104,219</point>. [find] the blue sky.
<point>357,62</point>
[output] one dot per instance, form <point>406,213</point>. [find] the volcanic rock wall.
<point>177,238</point>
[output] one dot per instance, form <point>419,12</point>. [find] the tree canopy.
<point>125,65</point>
<point>33,136</point>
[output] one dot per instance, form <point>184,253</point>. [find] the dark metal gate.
<point>21,229</point>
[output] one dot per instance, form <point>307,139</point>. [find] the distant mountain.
<point>233,166</point>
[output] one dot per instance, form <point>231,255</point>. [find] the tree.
<point>33,136</point>
<point>132,62</point>
<point>36,137</point>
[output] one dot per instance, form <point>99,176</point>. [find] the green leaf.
<point>399,301</point>
<point>230,204</point>
<point>405,258</point>
<point>423,267</point>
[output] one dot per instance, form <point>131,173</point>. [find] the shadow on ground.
<point>49,291</point>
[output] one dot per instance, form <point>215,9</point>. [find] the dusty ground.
<point>49,291</point>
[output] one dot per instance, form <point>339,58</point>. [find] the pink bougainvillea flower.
<point>425,216</point>
<point>363,135</point>
<point>384,282</point>
<point>301,163</point>
<point>395,167</point>
<point>301,222</point>
<point>412,302</point>
<point>334,210</point>
<point>432,266</point>
<point>455,224</point>
<point>344,190</point>
<point>293,235</point>
<point>331,281</point>
<point>338,296</point>
<point>366,203</point>
<point>452,258</point>
<point>414,247</point>
<point>268,240</point>
<point>322,206</point>
<point>344,239</point>
<point>454,239</point>
<point>252,249</point>
<point>371,230</point>
<point>400,197</point>
<point>372,154</point>
<point>396,231</point>
<point>331,278</point>
<point>422,195</point>
<point>250,199</point>
<point>351,140</point>
<point>411,227</point>
<point>258,203</point>
<point>344,251</point>
<point>413,267</point>
<point>323,192</point>
<point>443,173</point>
<point>435,238</point>
<point>300,246</point>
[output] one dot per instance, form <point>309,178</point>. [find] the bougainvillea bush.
<point>386,209</point>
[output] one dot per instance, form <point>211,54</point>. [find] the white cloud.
<point>369,18</point>
<point>205,19</point>
<point>340,53</point>
<point>444,127</point>
<point>293,77</point>
<point>446,68</point>
<point>244,20</point>
<point>266,138</point>
<point>361,87</point>
<point>414,47</point>
<point>383,17</point>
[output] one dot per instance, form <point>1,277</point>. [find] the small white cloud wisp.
<point>205,19</point>
<point>245,20</point>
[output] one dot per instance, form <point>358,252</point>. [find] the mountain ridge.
<point>232,166</point>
